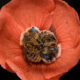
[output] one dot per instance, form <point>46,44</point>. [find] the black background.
<point>73,74</point>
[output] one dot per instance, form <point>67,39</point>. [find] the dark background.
<point>73,74</point>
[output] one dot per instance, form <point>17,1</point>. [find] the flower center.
<point>39,45</point>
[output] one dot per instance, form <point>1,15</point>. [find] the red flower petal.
<point>27,13</point>
<point>55,78</point>
<point>8,48</point>
<point>15,17</point>
<point>12,59</point>
<point>66,25</point>
<point>14,21</point>
<point>23,70</point>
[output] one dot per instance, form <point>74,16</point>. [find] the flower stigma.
<point>40,46</point>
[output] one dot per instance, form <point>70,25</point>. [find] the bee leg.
<point>28,62</point>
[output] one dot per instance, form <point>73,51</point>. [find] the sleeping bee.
<point>40,46</point>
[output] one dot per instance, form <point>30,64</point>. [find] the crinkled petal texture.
<point>18,15</point>
<point>26,13</point>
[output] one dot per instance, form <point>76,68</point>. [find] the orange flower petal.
<point>12,59</point>
<point>55,78</point>
<point>15,21</point>
<point>15,17</point>
<point>8,48</point>
<point>66,25</point>
<point>23,70</point>
<point>27,13</point>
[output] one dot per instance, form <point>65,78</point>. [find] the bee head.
<point>34,29</point>
<point>48,58</point>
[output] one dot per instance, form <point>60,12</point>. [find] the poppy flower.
<point>19,15</point>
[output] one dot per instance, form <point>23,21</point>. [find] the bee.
<point>40,46</point>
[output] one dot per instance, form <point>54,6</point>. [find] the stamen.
<point>40,45</point>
